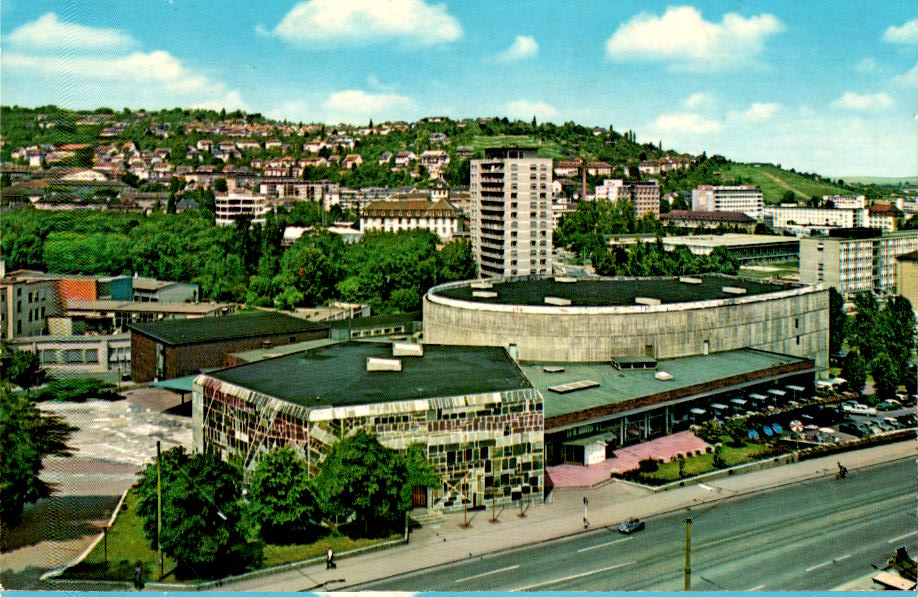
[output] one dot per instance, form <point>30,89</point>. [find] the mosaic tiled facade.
<point>485,447</point>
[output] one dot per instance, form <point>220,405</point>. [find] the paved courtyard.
<point>625,459</point>
<point>115,439</point>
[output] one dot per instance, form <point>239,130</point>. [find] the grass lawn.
<point>127,545</point>
<point>704,463</point>
<point>774,182</point>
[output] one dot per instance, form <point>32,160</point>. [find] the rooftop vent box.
<point>565,279</point>
<point>554,300</point>
<point>553,369</point>
<point>643,300</point>
<point>481,285</point>
<point>484,294</point>
<point>690,280</point>
<point>407,349</point>
<point>663,376</point>
<point>733,290</point>
<point>379,364</point>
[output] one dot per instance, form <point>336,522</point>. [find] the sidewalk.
<point>560,516</point>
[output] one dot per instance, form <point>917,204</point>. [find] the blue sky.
<point>830,87</point>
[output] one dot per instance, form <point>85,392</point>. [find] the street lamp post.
<point>159,509</point>
<point>688,554</point>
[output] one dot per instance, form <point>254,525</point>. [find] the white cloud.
<point>697,100</point>
<point>355,105</point>
<point>326,23</point>
<point>50,33</point>
<point>525,110</point>
<point>522,47</point>
<point>904,34</point>
<point>863,102</point>
<point>760,111</point>
<point>294,111</point>
<point>686,122</point>
<point>866,65</point>
<point>682,37</point>
<point>909,78</point>
<point>146,78</point>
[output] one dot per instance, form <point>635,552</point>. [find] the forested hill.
<point>179,129</point>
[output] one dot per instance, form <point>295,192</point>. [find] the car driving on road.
<point>631,526</point>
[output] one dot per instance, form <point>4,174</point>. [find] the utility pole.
<point>688,554</point>
<point>159,510</point>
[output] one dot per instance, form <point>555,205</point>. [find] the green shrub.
<point>77,390</point>
<point>648,465</point>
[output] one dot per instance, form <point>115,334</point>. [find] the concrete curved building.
<point>597,320</point>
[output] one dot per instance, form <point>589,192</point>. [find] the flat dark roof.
<point>609,292</point>
<point>338,376</point>
<point>215,329</point>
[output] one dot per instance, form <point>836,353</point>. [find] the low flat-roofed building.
<point>707,219</point>
<point>118,315</point>
<point>745,248</point>
<point>477,417</point>
<point>628,405</point>
<point>163,291</point>
<point>88,355</point>
<point>174,348</point>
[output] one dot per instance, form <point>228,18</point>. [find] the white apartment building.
<point>855,264</point>
<point>25,305</point>
<point>746,199</point>
<point>511,215</point>
<point>440,217</point>
<point>846,201</point>
<point>240,202</point>
<point>644,195</point>
<point>801,219</point>
<point>882,216</point>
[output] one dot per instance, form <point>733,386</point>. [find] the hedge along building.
<point>597,320</point>
<point>471,408</point>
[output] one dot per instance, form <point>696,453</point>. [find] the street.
<point>814,535</point>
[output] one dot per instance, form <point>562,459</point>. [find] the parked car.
<point>632,525</point>
<point>855,429</point>
<point>859,409</point>
<point>893,423</point>
<point>888,405</point>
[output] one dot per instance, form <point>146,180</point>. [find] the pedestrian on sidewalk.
<point>586,518</point>
<point>330,559</point>
<point>138,577</point>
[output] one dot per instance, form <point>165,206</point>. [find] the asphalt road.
<point>815,535</point>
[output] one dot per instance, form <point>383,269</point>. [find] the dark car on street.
<point>631,526</point>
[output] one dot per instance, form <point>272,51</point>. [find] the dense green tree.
<point>898,333</point>
<point>837,321</point>
<point>24,370</point>
<point>885,375</point>
<point>72,253</point>
<point>862,328</point>
<point>455,262</point>
<point>202,514</point>
<point>308,271</point>
<point>362,483</point>
<point>854,370</point>
<point>281,498</point>
<point>27,435</point>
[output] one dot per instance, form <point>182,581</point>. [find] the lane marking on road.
<point>829,563</point>
<point>604,544</point>
<point>901,537</point>
<point>755,588</point>
<point>705,487</point>
<point>514,567</point>
<point>572,577</point>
